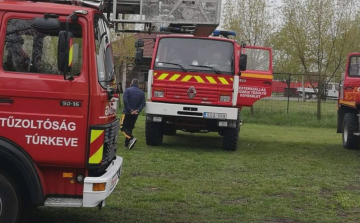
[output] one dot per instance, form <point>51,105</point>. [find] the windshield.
<point>104,56</point>
<point>194,54</point>
<point>33,50</point>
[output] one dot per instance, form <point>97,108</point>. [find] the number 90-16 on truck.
<point>58,123</point>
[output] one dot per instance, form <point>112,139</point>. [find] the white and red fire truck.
<point>200,84</point>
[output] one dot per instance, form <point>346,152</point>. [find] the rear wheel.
<point>10,201</point>
<point>153,133</point>
<point>350,126</point>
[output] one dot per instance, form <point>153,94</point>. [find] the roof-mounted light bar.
<point>224,33</point>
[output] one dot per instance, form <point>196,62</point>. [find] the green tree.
<point>315,38</point>
<point>251,22</point>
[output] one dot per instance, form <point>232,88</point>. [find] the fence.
<point>287,97</point>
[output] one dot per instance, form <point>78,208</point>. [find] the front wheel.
<point>230,138</point>
<point>9,201</point>
<point>350,126</point>
<point>153,133</point>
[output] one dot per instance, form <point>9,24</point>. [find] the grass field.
<point>279,174</point>
<point>274,112</point>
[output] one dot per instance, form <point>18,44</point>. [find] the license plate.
<point>213,115</point>
<point>115,179</point>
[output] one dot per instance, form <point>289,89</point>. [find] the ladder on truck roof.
<point>199,17</point>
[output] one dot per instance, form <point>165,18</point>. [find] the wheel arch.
<point>14,160</point>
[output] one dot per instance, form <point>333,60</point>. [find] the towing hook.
<point>241,122</point>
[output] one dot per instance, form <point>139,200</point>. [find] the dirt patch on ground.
<point>347,213</point>
<point>151,189</point>
<point>325,192</point>
<point>286,195</point>
<point>139,174</point>
<point>283,220</point>
<point>241,200</point>
<point>210,193</point>
<point>352,187</point>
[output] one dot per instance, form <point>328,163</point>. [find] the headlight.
<point>158,94</point>
<point>225,98</point>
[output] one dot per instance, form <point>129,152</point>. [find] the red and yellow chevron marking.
<point>206,79</point>
<point>96,146</point>
<point>193,78</point>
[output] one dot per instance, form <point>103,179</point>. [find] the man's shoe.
<point>132,143</point>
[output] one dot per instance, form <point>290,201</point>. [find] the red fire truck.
<point>349,102</point>
<point>200,84</point>
<point>58,124</point>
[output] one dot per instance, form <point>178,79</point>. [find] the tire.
<point>153,133</point>
<point>231,136</point>
<point>10,201</point>
<point>350,126</point>
<point>169,130</point>
<point>308,96</point>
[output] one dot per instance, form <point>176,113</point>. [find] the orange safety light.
<point>99,186</point>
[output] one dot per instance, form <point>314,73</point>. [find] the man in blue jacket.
<point>134,102</point>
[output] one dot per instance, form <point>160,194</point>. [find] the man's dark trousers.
<point>127,125</point>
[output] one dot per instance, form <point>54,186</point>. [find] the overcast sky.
<point>273,5</point>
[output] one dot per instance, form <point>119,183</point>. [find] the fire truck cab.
<point>349,103</point>
<point>58,123</point>
<point>200,84</point>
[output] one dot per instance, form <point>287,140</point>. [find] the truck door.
<point>255,82</point>
<point>39,110</point>
<point>350,89</point>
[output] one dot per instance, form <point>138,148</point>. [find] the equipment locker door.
<point>255,82</point>
<point>39,110</point>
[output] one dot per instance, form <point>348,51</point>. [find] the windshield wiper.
<point>175,64</point>
<point>213,68</point>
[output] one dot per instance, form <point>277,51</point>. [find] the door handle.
<point>6,100</point>
<point>267,82</point>
<point>348,87</point>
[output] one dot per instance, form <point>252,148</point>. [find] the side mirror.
<point>139,43</point>
<point>139,56</point>
<point>242,62</point>
<point>65,51</point>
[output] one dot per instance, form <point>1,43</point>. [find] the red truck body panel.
<point>54,135</point>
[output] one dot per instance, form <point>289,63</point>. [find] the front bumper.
<point>194,111</point>
<point>111,178</point>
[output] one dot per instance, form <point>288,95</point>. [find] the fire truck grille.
<point>111,131</point>
<point>110,142</point>
<point>181,94</point>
